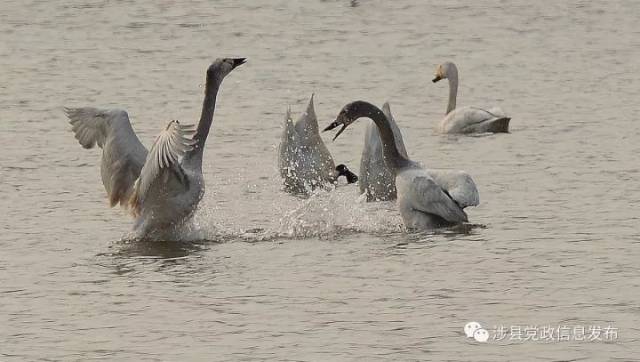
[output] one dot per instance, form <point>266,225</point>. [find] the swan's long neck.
<point>452,76</point>
<point>392,157</point>
<point>206,117</point>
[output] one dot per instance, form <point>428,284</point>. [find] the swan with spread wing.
<point>304,160</point>
<point>164,185</point>
<point>378,181</point>
<point>425,200</point>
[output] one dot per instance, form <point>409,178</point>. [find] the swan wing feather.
<point>386,109</point>
<point>288,149</point>
<point>123,154</point>
<point>471,119</point>
<point>165,156</point>
<point>425,195</point>
<point>375,177</point>
<point>458,184</point>
<point>314,163</point>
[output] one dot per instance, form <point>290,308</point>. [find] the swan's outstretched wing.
<point>458,184</point>
<point>315,163</point>
<point>418,189</point>
<point>165,154</point>
<point>473,120</point>
<point>307,123</point>
<point>375,177</point>
<point>123,155</point>
<point>397,135</point>
<point>288,148</point>
<point>309,137</point>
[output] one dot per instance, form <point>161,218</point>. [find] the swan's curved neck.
<point>452,76</point>
<point>206,117</point>
<point>392,157</point>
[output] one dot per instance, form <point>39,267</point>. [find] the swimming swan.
<point>304,161</point>
<point>164,185</point>
<point>378,181</point>
<point>467,119</point>
<point>424,201</point>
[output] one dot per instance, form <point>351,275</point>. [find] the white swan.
<point>467,119</point>
<point>377,180</point>
<point>163,186</point>
<point>304,161</point>
<point>424,201</point>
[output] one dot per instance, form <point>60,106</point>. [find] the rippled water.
<point>555,240</point>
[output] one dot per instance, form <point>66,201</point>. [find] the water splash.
<point>330,214</point>
<point>325,214</point>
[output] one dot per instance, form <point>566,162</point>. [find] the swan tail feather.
<point>500,125</point>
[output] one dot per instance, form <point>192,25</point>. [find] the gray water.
<point>264,275</point>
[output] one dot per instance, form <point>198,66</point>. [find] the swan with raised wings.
<point>378,181</point>
<point>304,161</point>
<point>162,186</point>
<point>424,201</point>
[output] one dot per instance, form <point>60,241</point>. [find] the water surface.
<point>330,277</point>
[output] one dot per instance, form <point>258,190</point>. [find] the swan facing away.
<point>162,186</point>
<point>467,119</point>
<point>304,161</point>
<point>425,201</point>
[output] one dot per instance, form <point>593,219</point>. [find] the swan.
<point>162,186</point>
<point>424,201</point>
<point>304,161</point>
<point>377,180</point>
<point>467,119</point>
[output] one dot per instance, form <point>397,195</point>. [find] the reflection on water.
<point>260,274</point>
<point>168,250</point>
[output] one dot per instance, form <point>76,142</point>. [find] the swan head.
<point>223,66</point>
<point>342,170</point>
<point>444,70</point>
<point>349,114</point>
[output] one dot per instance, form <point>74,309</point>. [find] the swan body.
<point>426,199</point>
<point>467,119</point>
<point>304,161</point>
<point>164,185</point>
<point>475,120</point>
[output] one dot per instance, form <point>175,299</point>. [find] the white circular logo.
<point>481,335</point>
<point>470,328</point>
<point>474,330</point>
